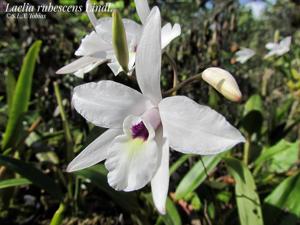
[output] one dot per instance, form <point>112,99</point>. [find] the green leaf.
<point>248,202</point>
<point>172,216</point>
<point>34,175</point>
<point>253,119</point>
<point>21,97</point>
<point>10,82</point>
<point>97,174</point>
<point>196,175</point>
<point>58,216</point>
<point>286,195</point>
<point>68,135</point>
<point>14,182</point>
<point>254,103</point>
<point>178,163</point>
<point>280,157</point>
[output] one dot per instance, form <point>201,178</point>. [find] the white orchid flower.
<point>97,47</point>
<point>244,55</point>
<point>280,48</point>
<point>143,126</point>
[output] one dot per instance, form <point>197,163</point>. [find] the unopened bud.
<point>223,82</point>
<point>119,40</point>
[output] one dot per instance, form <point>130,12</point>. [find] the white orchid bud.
<point>223,82</point>
<point>120,40</point>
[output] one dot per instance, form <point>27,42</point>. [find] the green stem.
<point>196,77</point>
<point>247,147</point>
<point>68,136</point>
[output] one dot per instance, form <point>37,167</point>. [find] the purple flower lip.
<point>139,131</point>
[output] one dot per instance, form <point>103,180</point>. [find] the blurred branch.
<point>175,73</point>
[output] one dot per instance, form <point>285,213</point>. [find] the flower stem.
<point>196,77</point>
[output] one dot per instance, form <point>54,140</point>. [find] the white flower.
<point>97,48</point>
<point>280,48</point>
<point>143,126</point>
<point>244,55</point>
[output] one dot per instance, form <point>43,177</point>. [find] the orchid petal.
<point>115,67</point>
<point>244,55</point>
<point>91,44</point>
<point>80,64</point>
<point>148,58</point>
<point>160,181</point>
<point>107,103</point>
<point>286,42</point>
<point>143,9</point>
<point>193,128</point>
<point>90,13</point>
<point>94,152</point>
<point>271,45</point>
<point>104,28</point>
<point>169,33</point>
<point>131,162</point>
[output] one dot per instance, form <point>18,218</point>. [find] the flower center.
<point>139,131</point>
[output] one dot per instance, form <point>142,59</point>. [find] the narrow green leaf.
<point>172,216</point>
<point>286,195</point>
<point>21,97</point>
<point>34,175</point>
<point>178,163</point>
<point>10,83</point>
<point>196,175</point>
<point>254,103</point>
<point>97,174</point>
<point>58,216</point>
<point>280,157</point>
<point>248,202</point>
<point>68,135</point>
<point>253,119</point>
<point>14,182</point>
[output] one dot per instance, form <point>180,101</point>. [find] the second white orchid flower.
<point>244,55</point>
<point>143,126</point>
<point>97,47</point>
<point>280,48</point>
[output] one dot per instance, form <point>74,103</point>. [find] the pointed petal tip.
<point>162,211</point>
<point>70,168</point>
<point>61,71</point>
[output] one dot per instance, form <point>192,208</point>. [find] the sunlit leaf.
<point>279,157</point>
<point>33,174</point>
<point>21,97</point>
<point>248,202</point>
<point>14,182</point>
<point>286,195</point>
<point>58,216</point>
<point>196,175</point>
